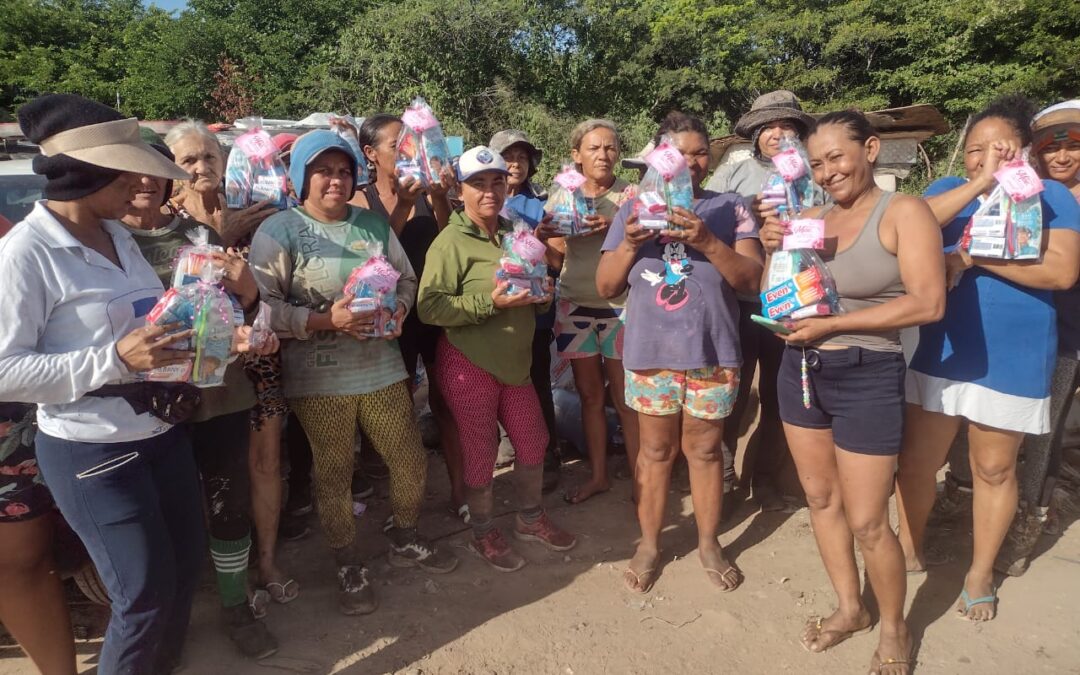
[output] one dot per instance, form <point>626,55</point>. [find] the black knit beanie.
<point>45,116</point>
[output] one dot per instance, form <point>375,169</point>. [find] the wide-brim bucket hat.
<point>773,107</point>
<point>508,138</point>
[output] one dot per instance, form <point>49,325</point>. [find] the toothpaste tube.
<point>820,309</point>
<point>805,288</point>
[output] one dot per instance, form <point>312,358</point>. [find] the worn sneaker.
<point>292,528</point>
<point>495,550</point>
<point>356,594</point>
<point>409,549</point>
<point>250,636</point>
<point>546,532</point>
<point>299,502</point>
<point>361,486</point>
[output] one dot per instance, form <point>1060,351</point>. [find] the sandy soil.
<point>569,614</point>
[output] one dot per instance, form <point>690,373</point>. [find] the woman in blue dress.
<point>989,360</point>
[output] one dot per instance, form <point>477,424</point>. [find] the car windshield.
<point>18,194</point>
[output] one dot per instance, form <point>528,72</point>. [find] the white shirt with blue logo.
<point>63,308</point>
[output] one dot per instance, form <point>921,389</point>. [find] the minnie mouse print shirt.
<point>680,312</point>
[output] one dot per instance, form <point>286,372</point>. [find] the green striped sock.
<point>231,564</point>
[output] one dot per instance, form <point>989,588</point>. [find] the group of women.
<point>653,323</point>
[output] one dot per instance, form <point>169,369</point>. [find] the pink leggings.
<point>478,403</point>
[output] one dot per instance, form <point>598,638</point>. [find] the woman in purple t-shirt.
<point>681,349</point>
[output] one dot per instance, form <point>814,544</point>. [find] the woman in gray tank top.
<point>841,382</point>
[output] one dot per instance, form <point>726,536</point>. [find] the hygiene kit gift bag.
<point>373,285</point>
<point>799,286</point>
<point>422,151</point>
<point>568,204</point>
<point>665,186</point>
<point>196,262</point>
<point>798,281</point>
<point>255,172</point>
<point>208,310</point>
<point>1008,224</point>
<point>348,129</point>
<point>522,263</point>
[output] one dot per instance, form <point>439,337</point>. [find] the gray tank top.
<point>866,275</point>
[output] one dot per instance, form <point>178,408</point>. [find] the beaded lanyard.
<point>805,381</point>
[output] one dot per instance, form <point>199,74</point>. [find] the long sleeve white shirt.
<point>63,308</point>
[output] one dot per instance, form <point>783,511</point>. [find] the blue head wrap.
<point>311,145</point>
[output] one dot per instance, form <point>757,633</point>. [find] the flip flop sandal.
<point>461,512</point>
<point>841,635</point>
<point>643,581</point>
<point>259,602</point>
<point>284,593</point>
<point>876,663</point>
<point>731,577</point>
<point>969,603</point>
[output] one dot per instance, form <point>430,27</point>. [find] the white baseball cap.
<point>478,160</point>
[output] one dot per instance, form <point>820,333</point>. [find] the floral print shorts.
<point>23,495</point>
<point>706,393</point>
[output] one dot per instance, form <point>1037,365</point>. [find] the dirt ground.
<point>568,614</point>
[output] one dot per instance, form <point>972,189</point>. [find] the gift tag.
<point>1019,180</point>
<point>419,119</point>
<point>257,145</point>
<point>790,164</point>
<point>805,233</point>
<point>667,160</point>
<point>529,248</point>
<point>570,179</point>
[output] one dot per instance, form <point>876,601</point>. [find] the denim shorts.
<point>857,393</point>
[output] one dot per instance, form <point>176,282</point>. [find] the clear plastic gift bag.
<point>208,310</point>
<point>348,129</point>
<point>196,262</point>
<point>799,286</point>
<point>422,151</point>
<point>568,204</point>
<point>665,186</point>
<point>790,188</point>
<point>522,263</point>
<point>789,185</point>
<point>373,286</point>
<point>1008,224</point>
<point>255,172</point>
<point>260,327</point>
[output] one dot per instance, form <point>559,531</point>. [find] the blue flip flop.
<point>987,599</point>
